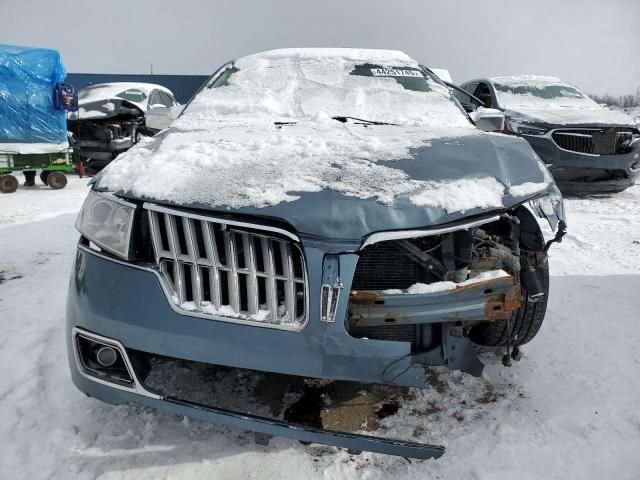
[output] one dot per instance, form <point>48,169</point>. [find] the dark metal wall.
<point>182,86</point>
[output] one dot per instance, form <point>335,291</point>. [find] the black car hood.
<point>328,214</point>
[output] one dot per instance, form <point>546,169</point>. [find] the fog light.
<point>102,360</point>
<point>106,356</point>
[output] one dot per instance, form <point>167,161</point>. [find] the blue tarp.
<point>28,77</point>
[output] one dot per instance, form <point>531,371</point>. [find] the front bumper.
<point>126,303</point>
<point>263,427</point>
<point>320,350</point>
<point>571,170</point>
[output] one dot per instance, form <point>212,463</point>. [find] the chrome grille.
<point>593,141</point>
<point>228,269</point>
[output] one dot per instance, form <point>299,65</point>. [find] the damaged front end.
<point>438,291</point>
<point>380,313</point>
<point>102,130</point>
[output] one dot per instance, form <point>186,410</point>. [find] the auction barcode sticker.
<point>394,72</point>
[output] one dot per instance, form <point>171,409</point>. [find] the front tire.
<point>526,321</point>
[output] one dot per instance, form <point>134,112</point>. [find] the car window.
<point>470,87</point>
<point>461,97</point>
<point>484,93</point>
<point>154,98</point>
<point>133,95</point>
<point>301,88</point>
<point>165,99</point>
<point>223,79</point>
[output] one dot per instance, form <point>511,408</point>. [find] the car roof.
<point>121,86</point>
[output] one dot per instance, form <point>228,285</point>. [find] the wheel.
<point>8,183</point>
<point>57,180</point>
<point>525,322</point>
<point>43,176</point>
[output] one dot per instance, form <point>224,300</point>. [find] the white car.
<point>111,118</point>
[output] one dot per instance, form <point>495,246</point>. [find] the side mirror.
<point>156,106</point>
<point>162,117</point>
<point>488,119</point>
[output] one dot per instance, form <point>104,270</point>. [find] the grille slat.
<point>211,267</point>
<point>271,288</point>
<point>252,280</point>
<point>592,141</point>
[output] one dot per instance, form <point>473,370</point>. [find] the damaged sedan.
<point>112,117</point>
<point>588,148</point>
<point>331,214</point>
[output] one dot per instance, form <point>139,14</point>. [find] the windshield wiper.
<point>344,119</point>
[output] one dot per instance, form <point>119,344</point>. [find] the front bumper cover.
<point>263,427</point>
<point>628,164</point>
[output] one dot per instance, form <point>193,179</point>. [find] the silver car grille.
<point>230,270</point>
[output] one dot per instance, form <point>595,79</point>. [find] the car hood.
<point>105,108</point>
<point>443,180</point>
<point>557,117</point>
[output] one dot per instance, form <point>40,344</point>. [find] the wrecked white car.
<point>112,117</point>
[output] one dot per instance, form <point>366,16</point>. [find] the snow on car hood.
<point>327,178</point>
<point>572,116</point>
<point>333,180</point>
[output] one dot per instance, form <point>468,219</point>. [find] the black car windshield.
<point>539,92</point>
<point>292,89</point>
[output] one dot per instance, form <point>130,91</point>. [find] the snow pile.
<point>568,410</point>
<point>528,188</point>
<point>225,150</point>
<point>31,204</point>
<point>224,311</point>
<point>445,286</point>
<point>460,195</point>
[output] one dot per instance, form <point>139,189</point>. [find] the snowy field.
<point>570,409</point>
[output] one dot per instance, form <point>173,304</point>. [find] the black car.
<point>587,147</point>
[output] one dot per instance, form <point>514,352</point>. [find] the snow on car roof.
<point>294,55</point>
<point>122,86</point>
<point>226,149</point>
<point>524,79</point>
<point>107,91</point>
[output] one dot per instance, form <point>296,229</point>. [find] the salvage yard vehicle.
<point>588,148</point>
<point>33,133</point>
<point>321,213</point>
<point>112,118</point>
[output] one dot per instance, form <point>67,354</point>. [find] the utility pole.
<point>152,69</point>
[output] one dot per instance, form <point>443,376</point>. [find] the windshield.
<point>294,89</point>
<point>106,91</point>
<point>133,95</point>
<point>540,94</point>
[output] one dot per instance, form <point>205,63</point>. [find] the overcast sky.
<point>594,44</point>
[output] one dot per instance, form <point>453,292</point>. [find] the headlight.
<point>549,207</point>
<point>520,128</point>
<point>107,221</point>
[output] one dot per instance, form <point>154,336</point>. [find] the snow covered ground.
<point>569,409</point>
